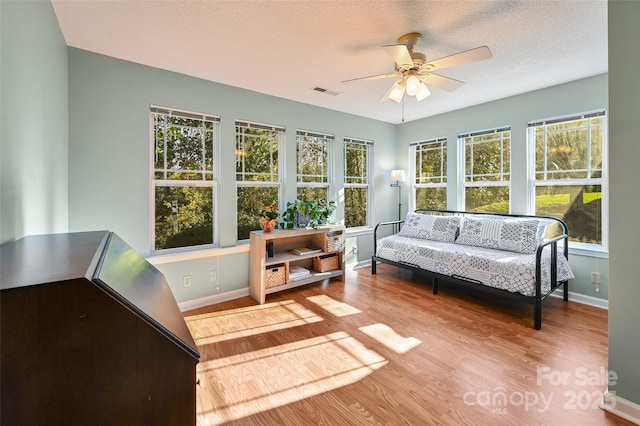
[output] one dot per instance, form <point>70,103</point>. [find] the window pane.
<point>312,159</point>
<point>183,217</point>
<point>256,155</point>
<point>355,168</point>
<point>431,198</point>
<point>307,193</point>
<point>580,206</point>
<point>250,199</point>
<point>569,150</point>
<point>431,163</point>
<point>487,199</point>
<point>488,157</point>
<point>183,151</point>
<point>355,207</point>
<point>183,148</point>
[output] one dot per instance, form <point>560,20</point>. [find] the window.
<point>486,159</point>
<point>357,164</point>
<point>184,188</point>
<point>430,173</point>
<point>312,165</point>
<point>569,173</point>
<point>257,172</point>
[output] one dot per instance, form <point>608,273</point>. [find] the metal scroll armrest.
<point>375,232</point>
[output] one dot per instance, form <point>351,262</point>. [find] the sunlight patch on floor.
<point>249,383</point>
<point>339,309</point>
<point>249,321</point>
<point>385,335</point>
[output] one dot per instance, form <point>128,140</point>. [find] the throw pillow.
<point>515,235</point>
<point>430,227</point>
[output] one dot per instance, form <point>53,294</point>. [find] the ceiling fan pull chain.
<point>403,109</point>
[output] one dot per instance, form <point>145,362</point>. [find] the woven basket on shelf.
<point>325,263</point>
<point>334,242</point>
<point>274,276</point>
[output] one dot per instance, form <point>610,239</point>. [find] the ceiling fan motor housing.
<point>418,59</point>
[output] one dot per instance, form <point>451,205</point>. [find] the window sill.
<point>588,250</point>
<point>357,232</point>
<point>196,254</point>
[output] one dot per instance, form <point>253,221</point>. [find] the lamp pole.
<point>397,185</point>
<point>398,176</point>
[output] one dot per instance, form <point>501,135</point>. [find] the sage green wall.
<point>34,111</point>
<point>624,155</point>
<point>109,156</point>
<point>569,98</point>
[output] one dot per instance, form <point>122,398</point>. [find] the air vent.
<point>327,91</point>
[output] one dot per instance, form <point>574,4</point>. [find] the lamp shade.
<point>397,91</point>
<point>413,85</point>
<point>397,176</point>
<point>423,92</point>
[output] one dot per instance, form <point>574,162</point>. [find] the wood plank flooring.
<point>383,350</point>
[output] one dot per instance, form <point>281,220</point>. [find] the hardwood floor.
<point>383,349</point>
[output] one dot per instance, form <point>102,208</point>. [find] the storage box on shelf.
<point>325,263</point>
<point>269,274</point>
<point>335,240</point>
<point>274,275</point>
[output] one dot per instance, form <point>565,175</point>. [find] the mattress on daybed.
<point>514,272</point>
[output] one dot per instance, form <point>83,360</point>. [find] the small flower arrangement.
<point>269,212</point>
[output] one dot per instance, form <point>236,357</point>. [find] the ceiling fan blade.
<point>442,82</point>
<point>372,77</point>
<point>472,55</point>
<point>400,55</point>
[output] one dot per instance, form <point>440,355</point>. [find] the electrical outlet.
<point>595,278</point>
<point>213,276</point>
<point>186,281</point>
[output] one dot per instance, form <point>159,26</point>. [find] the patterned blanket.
<point>501,269</point>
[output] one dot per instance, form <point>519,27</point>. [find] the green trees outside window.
<point>430,165</point>
<point>183,178</point>
<point>569,172</point>
<point>357,165</point>
<point>487,170</point>
<point>257,172</point>
<point>313,151</point>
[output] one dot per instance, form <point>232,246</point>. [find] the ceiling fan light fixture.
<point>397,91</point>
<point>413,85</point>
<point>423,93</point>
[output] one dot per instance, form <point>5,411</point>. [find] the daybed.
<point>512,253</point>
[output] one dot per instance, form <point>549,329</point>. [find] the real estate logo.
<point>581,396</point>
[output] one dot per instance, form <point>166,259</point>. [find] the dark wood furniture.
<point>91,334</point>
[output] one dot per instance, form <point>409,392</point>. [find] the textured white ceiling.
<point>285,48</point>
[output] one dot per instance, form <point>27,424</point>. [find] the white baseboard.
<point>213,299</point>
<point>582,298</point>
<point>361,264</point>
<point>621,407</point>
<point>236,294</point>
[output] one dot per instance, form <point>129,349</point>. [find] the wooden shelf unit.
<point>284,240</point>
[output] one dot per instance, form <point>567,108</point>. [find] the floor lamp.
<point>398,176</point>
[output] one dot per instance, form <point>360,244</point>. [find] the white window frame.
<point>476,180</point>
<point>323,139</point>
<point>368,152</point>
<point>275,179</point>
<point>413,170</point>
<point>212,183</point>
<point>603,181</point>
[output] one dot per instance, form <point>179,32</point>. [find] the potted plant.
<point>268,216</point>
<point>302,214</point>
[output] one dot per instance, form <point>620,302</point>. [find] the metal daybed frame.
<point>436,277</point>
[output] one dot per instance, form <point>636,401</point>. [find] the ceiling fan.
<point>416,73</point>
